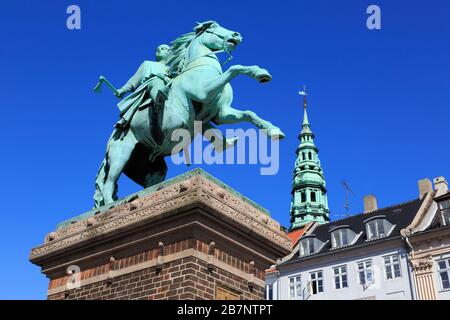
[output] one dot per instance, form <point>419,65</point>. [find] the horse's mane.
<point>178,53</point>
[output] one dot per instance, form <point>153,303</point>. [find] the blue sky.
<point>379,102</point>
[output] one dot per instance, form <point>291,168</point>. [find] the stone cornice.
<point>196,189</point>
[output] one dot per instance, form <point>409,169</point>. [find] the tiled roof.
<point>400,215</point>
<point>295,235</point>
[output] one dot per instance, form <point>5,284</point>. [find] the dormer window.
<point>444,206</point>
<point>310,245</point>
<point>378,227</point>
<point>341,237</point>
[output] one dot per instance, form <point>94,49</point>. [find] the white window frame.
<point>446,270</point>
<point>310,244</point>
<point>296,285</point>
<point>444,208</point>
<point>365,269</point>
<point>378,223</point>
<point>340,276</point>
<point>268,288</point>
<point>390,264</point>
<point>337,238</point>
<point>316,279</point>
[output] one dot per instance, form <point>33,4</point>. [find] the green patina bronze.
<point>309,194</point>
<point>184,85</point>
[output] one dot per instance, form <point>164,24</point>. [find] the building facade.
<point>399,252</point>
<point>428,237</point>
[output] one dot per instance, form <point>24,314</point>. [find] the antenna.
<point>348,190</point>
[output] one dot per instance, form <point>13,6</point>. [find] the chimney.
<point>441,185</point>
<point>370,203</point>
<point>425,187</point>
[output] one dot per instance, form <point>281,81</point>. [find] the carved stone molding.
<point>422,264</point>
<point>196,189</point>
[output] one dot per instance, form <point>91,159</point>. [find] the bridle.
<point>211,54</point>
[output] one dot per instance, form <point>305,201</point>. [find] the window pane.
<point>336,270</point>
<point>291,292</point>
<point>381,228</point>
<point>320,285</point>
<point>397,271</point>
<point>337,283</point>
<point>445,204</point>
<point>344,281</point>
<point>311,246</point>
<point>344,237</point>
<point>369,275</point>
<point>444,280</point>
<point>441,264</point>
<point>362,277</point>
<point>299,290</point>
<point>388,272</point>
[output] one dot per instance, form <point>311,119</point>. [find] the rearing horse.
<point>200,91</point>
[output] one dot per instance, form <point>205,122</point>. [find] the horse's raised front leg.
<point>229,115</point>
<point>213,88</point>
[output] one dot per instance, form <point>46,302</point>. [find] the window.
<point>313,196</point>
<point>392,267</point>
<point>309,155</point>
<point>269,292</point>
<point>303,197</point>
<point>303,156</point>
<point>445,212</point>
<point>444,273</point>
<point>377,228</point>
<point>339,238</point>
<point>316,282</point>
<point>365,272</point>
<point>307,246</point>
<point>295,287</point>
<point>340,277</point>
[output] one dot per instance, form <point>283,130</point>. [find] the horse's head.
<point>216,37</point>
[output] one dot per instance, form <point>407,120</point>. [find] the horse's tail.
<point>99,183</point>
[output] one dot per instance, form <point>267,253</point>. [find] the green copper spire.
<point>309,200</point>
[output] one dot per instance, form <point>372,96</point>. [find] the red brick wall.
<point>186,278</point>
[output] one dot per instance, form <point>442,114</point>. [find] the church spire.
<point>309,201</point>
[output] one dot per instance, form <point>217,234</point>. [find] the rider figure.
<point>149,83</point>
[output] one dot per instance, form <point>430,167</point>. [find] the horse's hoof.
<point>262,75</point>
<point>230,142</point>
<point>275,134</point>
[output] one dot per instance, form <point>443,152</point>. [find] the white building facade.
<point>360,257</point>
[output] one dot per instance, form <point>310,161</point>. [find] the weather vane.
<point>304,94</point>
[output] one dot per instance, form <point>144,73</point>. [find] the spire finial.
<point>304,94</point>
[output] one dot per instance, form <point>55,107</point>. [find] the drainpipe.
<point>410,249</point>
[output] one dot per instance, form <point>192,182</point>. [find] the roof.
<point>443,196</point>
<point>295,235</point>
<point>399,215</point>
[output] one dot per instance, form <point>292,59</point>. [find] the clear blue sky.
<point>379,102</point>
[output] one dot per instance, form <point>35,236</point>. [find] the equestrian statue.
<point>186,83</point>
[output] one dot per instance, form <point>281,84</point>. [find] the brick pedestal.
<point>191,237</point>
